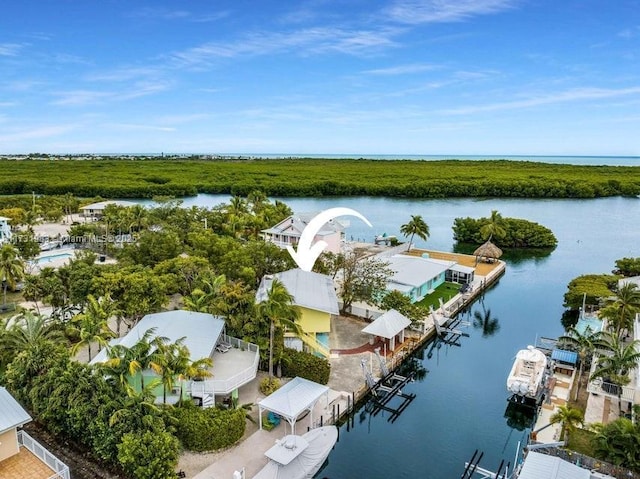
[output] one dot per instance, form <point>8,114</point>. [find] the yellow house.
<point>316,297</point>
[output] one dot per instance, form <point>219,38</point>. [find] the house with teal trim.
<point>415,276</point>
<point>316,297</point>
<point>235,362</point>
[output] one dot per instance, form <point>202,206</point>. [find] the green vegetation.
<point>628,267</point>
<point>135,178</point>
<point>306,365</point>
<point>582,441</point>
<point>445,291</point>
<point>268,385</point>
<point>209,429</point>
<point>595,286</point>
<point>617,443</point>
<point>508,233</point>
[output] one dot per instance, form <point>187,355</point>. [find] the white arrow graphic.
<point>306,255</point>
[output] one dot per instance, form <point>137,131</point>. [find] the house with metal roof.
<point>416,276</point>
<point>316,297</point>
<point>96,210</point>
<point>288,232</point>
<point>20,455</point>
<point>235,362</point>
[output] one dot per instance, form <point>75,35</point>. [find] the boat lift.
<point>384,390</point>
<point>474,471</point>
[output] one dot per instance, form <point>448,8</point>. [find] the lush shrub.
<point>209,429</point>
<point>628,267</point>
<point>150,455</point>
<point>269,385</point>
<point>306,365</point>
<point>596,286</point>
<point>519,233</point>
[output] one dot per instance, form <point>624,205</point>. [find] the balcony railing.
<point>598,386</point>
<point>61,470</point>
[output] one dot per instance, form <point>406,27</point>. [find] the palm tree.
<point>584,344</point>
<point>91,326</point>
<point>136,406</point>
<point>621,311</point>
<point>417,226</point>
<point>11,268</point>
<point>489,325</point>
<point>29,331</point>
<point>169,361</point>
<point>198,369</point>
<point>279,310</point>
<point>569,417</point>
<point>494,227</point>
<point>614,366</point>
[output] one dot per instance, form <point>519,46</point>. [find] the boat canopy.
<point>563,356</point>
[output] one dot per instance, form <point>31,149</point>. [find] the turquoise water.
<point>50,258</point>
<point>592,322</point>
<point>460,404</point>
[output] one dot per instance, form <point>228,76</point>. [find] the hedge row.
<point>305,365</point>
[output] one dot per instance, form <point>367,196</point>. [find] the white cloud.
<point>138,127</point>
<point>403,69</point>
<point>440,11</point>
<point>10,49</point>
<point>576,94</point>
<point>168,14</point>
<point>36,132</point>
<point>79,97</point>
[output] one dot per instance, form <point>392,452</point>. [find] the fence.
<point>590,463</point>
<point>61,470</point>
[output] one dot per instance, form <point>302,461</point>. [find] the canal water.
<point>460,404</point>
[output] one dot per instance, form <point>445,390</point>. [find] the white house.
<point>235,362</point>
<point>288,231</point>
<point>20,454</point>
<point>416,276</point>
<point>96,210</point>
<point>5,230</point>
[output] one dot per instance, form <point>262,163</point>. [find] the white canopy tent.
<point>388,326</point>
<point>292,399</point>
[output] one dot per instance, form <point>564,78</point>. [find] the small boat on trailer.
<point>299,457</point>
<point>528,376</point>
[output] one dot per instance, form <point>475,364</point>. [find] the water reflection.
<point>511,255</point>
<point>483,321</point>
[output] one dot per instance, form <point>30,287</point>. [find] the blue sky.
<point>487,77</point>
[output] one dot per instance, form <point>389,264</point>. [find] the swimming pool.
<point>592,322</point>
<point>52,257</point>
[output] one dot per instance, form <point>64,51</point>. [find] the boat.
<point>528,373</point>
<point>299,457</point>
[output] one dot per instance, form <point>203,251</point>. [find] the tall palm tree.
<point>584,344</point>
<point>169,361</point>
<point>614,366</point>
<point>189,369</point>
<point>494,227</point>
<point>136,406</point>
<point>621,311</point>
<point>279,310</point>
<point>91,326</point>
<point>569,417</point>
<point>11,268</point>
<point>417,226</point>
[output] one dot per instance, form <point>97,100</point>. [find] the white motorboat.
<point>299,457</point>
<point>527,374</point>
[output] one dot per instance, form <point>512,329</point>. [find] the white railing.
<point>598,386</point>
<point>61,470</point>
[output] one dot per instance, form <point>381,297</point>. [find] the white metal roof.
<point>462,269</point>
<point>101,205</point>
<point>200,330</point>
<point>542,466</point>
<point>414,270</point>
<point>309,290</point>
<point>11,413</point>
<point>295,397</point>
<point>388,324</point>
<point>295,224</point>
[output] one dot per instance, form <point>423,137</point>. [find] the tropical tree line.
<point>114,178</point>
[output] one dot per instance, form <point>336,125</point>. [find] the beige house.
<point>20,455</point>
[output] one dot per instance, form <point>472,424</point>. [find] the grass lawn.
<point>580,441</point>
<point>446,291</point>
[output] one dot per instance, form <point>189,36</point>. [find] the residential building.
<point>20,455</point>
<point>288,232</point>
<point>5,230</point>
<point>316,297</point>
<point>415,276</point>
<point>96,210</point>
<point>235,362</point>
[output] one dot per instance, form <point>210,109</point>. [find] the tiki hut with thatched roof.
<point>488,251</point>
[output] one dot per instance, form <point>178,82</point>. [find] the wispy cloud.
<point>576,94</point>
<point>629,33</point>
<point>87,97</point>
<point>36,132</point>
<point>159,13</point>
<point>138,127</point>
<point>10,49</point>
<point>306,41</point>
<point>440,11</point>
<point>403,69</point>
<point>181,119</point>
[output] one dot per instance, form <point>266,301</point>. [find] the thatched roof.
<point>488,250</point>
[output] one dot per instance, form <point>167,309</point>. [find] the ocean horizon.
<point>557,159</point>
